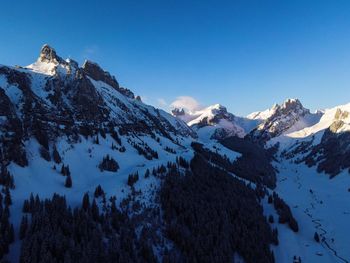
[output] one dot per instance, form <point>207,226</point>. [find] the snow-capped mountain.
<point>312,147</point>
<point>54,97</point>
<point>308,155</point>
<point>213,122</point>
<point>284,118</point>
<point>56,117</point>
<point>164,187</point>
<point>324,143</point>
<point>318,139</point>
<point>71,132</point>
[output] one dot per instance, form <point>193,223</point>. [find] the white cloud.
<point>186,102</point>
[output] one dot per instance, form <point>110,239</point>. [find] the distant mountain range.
<point>201,186</point>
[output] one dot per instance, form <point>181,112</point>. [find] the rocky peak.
<point>49,55</point>
<point>221,122</point>
<point>178,112</point>
<point>218,108</point>
<point>292,107</point>
<point>49,63</point>
<point>341,115</point>
<point>94,71</point>
<point>283,117</point>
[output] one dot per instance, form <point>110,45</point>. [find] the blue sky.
<point>245,55</point>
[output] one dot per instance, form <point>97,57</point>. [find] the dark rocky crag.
<point>284,117</point>
<point>331,155</point>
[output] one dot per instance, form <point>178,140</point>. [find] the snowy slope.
<point>83,159</point>
<point>328,118</point>
<point>85,115</point>
<point>320,205</point>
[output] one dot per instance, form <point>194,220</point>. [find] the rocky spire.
<point>178,112</point>
<point>290,107</point>
<point>283,117</point>
<point>49,55</point>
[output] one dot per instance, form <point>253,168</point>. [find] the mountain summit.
<point>279,119</point>
<point>213,122</point>
<point>49,55</point>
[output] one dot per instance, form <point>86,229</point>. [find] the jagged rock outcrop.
<point>215,119</point>
<point>178,112</point>
<point>128,93</point>
<point>284,116</point>
<point>49,55</point>
<point>94,71</point>
<point>332,154</point>
<point>325,145</point>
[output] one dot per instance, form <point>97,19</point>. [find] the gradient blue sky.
<point>245,55</point>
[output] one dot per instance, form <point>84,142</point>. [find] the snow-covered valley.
<point>320,205</point>
<point>56,116</point>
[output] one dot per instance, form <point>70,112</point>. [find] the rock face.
<point>283,117</point>
<point>54,97</point>
<point>213,122</point>
<point>128,93</point>
<point>332,154</point>
<point>94,71</point>
<point>325,145</point>
<point>178,112</point>
<point>48,55</point>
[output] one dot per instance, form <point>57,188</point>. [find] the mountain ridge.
<point>60,121</point>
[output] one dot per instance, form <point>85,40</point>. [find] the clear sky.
<point>245,54</point>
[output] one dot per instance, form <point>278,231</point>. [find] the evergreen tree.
<point>133,178</point>
<point>269,200</point>
<point>86,202</point>
<point>23,228</point>
<point>26,206</point>
<point>147,173</point>
<point>67,170</point>
<point>63,170</point>
<point>95,211</point>
<point>98,191</point>
<point>68,182</point>
<point>56,155</point>
<point>11,234</point>
<point>8,200</point>
<point>317,237</point>
<point>109,164</point>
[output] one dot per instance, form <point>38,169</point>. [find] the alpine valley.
<point>90,173</point>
